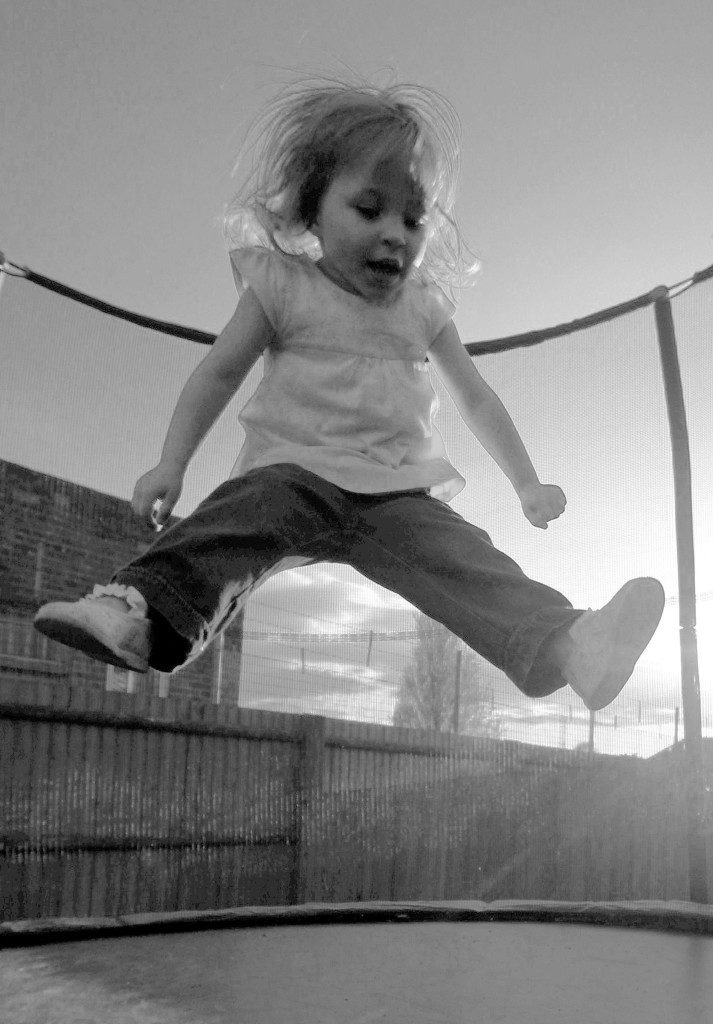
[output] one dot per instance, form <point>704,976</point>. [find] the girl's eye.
<point>368,212</point>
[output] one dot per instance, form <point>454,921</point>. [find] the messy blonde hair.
<point>314,129</point>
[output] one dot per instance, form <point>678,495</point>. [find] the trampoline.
<point>263,839</point>
<point>436,963</point>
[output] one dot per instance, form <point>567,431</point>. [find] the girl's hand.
<point>542,502</point>
<point>162,485</point>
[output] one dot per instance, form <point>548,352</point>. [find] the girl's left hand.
<point>542,502</point>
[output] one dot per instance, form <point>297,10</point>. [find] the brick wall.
<point>57,540</point>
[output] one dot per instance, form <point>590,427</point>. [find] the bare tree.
<point>439,688</point>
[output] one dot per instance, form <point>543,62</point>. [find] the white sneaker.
<point>606,644</point>
<point>100,629</point>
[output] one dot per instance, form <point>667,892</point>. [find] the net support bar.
<point>690,683</point>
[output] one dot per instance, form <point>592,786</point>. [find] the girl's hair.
<point>312,130</point>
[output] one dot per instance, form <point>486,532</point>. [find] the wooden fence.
<point>113,804</point>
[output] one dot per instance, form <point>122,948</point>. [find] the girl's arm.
<point>483,412</point>
<point>204,396</point>
<point>487,418</point>
<point>216,379</point>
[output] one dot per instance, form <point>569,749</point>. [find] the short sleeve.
<point>264,272</point>
<point>439,309</point>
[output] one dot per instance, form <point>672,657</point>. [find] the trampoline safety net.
<point>334,744</point>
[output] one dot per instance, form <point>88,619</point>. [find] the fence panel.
<point>113,804</point>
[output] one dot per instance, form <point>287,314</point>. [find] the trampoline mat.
<point>400,972</point>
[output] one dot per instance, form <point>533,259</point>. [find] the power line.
<point>317,638</point>
<point>707,596</point>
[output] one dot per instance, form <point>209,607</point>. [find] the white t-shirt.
<point>346,392</point>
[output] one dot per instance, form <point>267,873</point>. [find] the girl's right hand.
<point>162,485</point>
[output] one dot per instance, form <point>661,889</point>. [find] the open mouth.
<point>385,268</point>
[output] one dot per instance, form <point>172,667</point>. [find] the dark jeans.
<point>198,574</point>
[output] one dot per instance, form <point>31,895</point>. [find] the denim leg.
<point>199,573</point>
<point>449,569</point>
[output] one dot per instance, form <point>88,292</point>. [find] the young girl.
<point>344,231</point>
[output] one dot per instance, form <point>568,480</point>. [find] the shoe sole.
<point>81,638</point>
<point>638,608</point>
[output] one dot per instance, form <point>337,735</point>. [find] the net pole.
<point>690,684</point>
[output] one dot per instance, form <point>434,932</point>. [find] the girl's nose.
<point>392,231</point>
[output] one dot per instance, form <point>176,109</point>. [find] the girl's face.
<point>371,224</point>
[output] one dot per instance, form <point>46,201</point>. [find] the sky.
<point>586,170</point>
<point>586,140</point>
